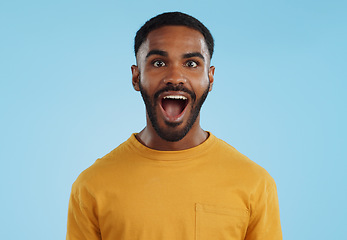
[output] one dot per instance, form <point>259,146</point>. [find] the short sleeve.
<point>82,222</point>
<point>265,217</point>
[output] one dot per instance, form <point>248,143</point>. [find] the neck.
<point>149,137</point>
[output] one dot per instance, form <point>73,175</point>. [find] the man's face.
<point>174,77</point>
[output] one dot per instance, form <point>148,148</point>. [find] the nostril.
<point>175,78</point>
<point>171,84</point>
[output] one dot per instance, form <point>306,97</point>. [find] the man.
<point>173,180</point>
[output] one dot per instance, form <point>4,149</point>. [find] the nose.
<point>174,76</point>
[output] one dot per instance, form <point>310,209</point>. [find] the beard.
<point>171,134</point>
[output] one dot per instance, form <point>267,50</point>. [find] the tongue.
<point>172,107</point>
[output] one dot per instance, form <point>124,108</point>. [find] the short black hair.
<point>173,19</point>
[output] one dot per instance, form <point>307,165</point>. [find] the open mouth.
<point>174,105</point>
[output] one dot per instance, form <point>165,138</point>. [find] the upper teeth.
<point>175,97</point>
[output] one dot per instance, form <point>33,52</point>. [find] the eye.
<point>158,63</point>
<point>191,64</point>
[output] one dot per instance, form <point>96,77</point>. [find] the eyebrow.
<point>165,54</point>
<point>194,54</point>
<point>157,52</point>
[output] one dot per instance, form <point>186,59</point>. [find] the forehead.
<point>175,40</point>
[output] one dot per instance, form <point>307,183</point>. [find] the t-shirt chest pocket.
<point>219,223</point>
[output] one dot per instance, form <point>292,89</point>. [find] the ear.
<point>135,77</point>
<point>211,76</point>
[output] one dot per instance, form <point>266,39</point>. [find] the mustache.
<point>175,88</point>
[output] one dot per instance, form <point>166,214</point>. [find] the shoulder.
<point>241,165</point>
<point>103,168</point>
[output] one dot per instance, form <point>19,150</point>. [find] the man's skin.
<point>173,56</point>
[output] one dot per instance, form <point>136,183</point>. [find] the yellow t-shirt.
<point>207,192</point>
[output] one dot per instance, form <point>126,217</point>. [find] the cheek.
<point>201,86</point>
<point>149,81</point>
<point>202,81</point>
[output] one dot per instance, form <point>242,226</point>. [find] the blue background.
<point>279,97</point>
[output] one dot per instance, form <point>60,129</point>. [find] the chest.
<point>173,204</point>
